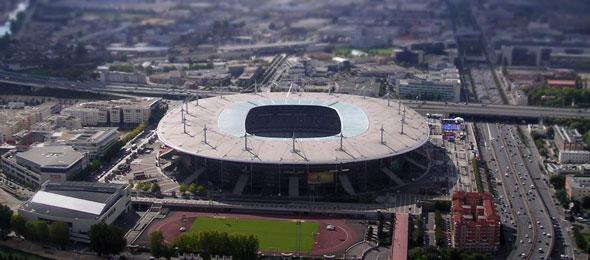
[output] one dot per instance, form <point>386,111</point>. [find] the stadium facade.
<point>295,144</point>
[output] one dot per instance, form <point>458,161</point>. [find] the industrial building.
<point>78,204</point>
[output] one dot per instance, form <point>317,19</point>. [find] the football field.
<point>273,235</point>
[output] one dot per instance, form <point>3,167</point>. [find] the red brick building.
<point>475,226</point>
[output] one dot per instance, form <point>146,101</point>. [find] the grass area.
<point>273,235</point>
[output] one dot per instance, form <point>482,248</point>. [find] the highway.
<point>496,110</point>
<point>564,244</point>
<point>519,204</point>
<point>464,109</point>
<point>513,208</point>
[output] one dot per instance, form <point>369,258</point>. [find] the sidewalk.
<point>48,252</point>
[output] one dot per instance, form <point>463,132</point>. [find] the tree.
<point>393,223</point>
<point>370,233</point>
<point>219,243</point>
<point>182,188</point>
<point>19,225</point>
<point>5,220</point>
<point>192,188</point>
<point>157,246</point>
<point>586,203</point>
<point>106,239</point>
<point>200,190</point>
<point>155,188</point>
<point>59,234</point>
<point>558,181</point>
<point>37,230</point>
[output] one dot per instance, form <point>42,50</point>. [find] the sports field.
<point>273,235</point>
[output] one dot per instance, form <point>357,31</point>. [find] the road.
<point>492,110</point>
<point>564,243</point>
<point>519,201</point>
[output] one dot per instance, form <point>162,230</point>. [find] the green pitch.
<point>273,235</point>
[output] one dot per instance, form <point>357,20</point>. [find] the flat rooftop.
<point>52,156</point>
<point>82,200</point>
<point>362,120</point>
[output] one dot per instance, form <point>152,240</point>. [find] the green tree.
<point>59,233</point>
<point>192,188</point>
<point>219,243</point>
<point>558,181</point>
<point>155,188</point>
<point>370,233</point>
<point>157,246</point>
<point>200,190</point>
<point>182,188</point>
<point>5,220</point>
<point>106,239</point>
<point>19,225</point>
<point>37,230</point>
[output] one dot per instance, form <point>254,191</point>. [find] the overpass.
<point>462,109</point>
<point>500,111</point>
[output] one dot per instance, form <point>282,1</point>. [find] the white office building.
<point>121,112</point>
<point>94,141</point>
<point>39,164</point>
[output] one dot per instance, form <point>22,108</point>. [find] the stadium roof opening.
<point>290,121</point>
<point>233,119</point>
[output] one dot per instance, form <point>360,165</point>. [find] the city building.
<point>429,90</point>
<point>108,76</point>
<point>78,204</point>
<point>249,76</point>
<point>209,77</point>
<point>171,78</point>
<point>120,112</point>
<point>39,164</point>
<point>16,120</point>
<point>440,85</point>
<point>94,141</point>
<point>577,187</point>
<point>567,139</point>
<point>574,156</point>
<point>475,226</point>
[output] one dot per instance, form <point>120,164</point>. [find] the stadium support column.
<point>366,175</point>
<point>246,142</point>
<point>205,134</point>
<point>382,132</point>
<point>388,99</point>
<point>403,121</point>
<point>197,96</point>
<point>399,106</point>
<point>221,176</point>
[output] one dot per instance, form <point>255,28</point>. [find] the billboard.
<point>320,177</point>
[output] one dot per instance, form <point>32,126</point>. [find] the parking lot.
<point>142,166</point>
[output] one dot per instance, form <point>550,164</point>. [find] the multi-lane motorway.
<point>524,200</point>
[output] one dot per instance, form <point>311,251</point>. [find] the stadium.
<point>296,144</point>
